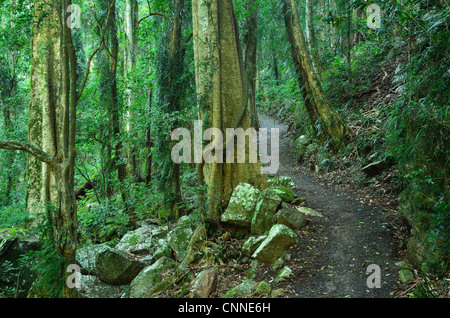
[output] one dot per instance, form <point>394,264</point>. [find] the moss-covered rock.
<point>245,289</point>
<point>14,244</point>
<point>196,247</point>
<point>267,206</point>
<point>301,143</point>
<point>150,277</point>
<point>292,218</point>
<point>252,243</point>
<point>286,194</point>
<point>242,206</point>
<point>280,238</point>
<point>116,267</point>
<point>86,255</point>
<point>179,239</point>
<point>141,240</point>
<point>93,287</point>
<point>263,289</point>
<point>284,181</point>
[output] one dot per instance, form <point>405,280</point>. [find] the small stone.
<point>309,212</point>
<point>246,288</point>
<point>226,237</point>
<point>406,276</point>
<point>276,293</point>
<point>283,274</point>
<point>205,283</point>
<point>263,289</point>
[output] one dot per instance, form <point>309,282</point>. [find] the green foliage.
<point>424,290</point>
<point>103,222</point>
<point>47,262</point>
<point>13,215</point>
<point>418,131</point>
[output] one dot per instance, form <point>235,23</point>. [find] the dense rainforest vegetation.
<point>91,91</point>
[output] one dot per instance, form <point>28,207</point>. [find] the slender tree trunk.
<point>326,123</point>
<point>349,41</point>
<point>250,58</point>
<point>119,151</point>
<point>311,34</point>
<point>275,70</point>
<point>149,141</point>
<point>173,95</point>
<point>8,126</point>
<point>222,88</point>
<point>131,20</point>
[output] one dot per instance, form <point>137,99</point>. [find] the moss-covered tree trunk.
<point>250,57</point>
<point>53,110</point>
<point>326,123</point>
<point>222,90</point>
<point>45,81</point>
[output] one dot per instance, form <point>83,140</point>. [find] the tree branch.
<point>102,41</point>
<point>149,15</point>
<point>30,149</point>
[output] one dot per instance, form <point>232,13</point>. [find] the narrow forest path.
<point>335,250</point>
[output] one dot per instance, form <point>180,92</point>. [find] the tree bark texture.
<point>222,90</point>
<point>327,124</point>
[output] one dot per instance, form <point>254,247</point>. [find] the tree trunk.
<point>311,34</point>
<point>326,123</point>
<point>149,142</point>
<point>250,51</point>
<point>53,83</point>
<point>131,20</point>
<point>349,41</point>
<point>172,94</point>
<point>45,85</point>
<point>119,154</point>
<point>8,126</point>
<point>222,90</point>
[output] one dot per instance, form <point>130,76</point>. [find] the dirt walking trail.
<point>335,250</point>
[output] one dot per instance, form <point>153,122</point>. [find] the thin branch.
<point>189,37</point>
<point>102,41</point>
<point>30,149</point>
<point>149,15</point>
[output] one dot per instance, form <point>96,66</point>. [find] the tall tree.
<point>326,123</point>
<point>53,126</point>
<point>172,89</point>
<point>130,52</point>
<point>222,89</point>
<point>109,68</point>
<point>250,57</point>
